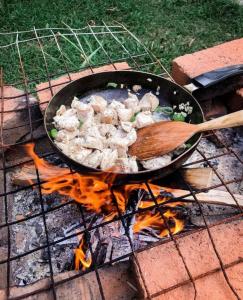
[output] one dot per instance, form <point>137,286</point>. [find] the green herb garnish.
<point>112,84</point>
<point>167,110</point>
<point>188,145</point>
<point>53,133</point>
<point>178,117</point>
<point>133,118</point>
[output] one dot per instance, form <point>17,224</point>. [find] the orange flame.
<point>80,257</point>
<point>94,193</point>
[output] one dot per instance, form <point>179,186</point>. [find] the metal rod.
<point>37,173</point>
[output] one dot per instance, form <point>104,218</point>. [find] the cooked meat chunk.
<point>66,136</point>
<point>149,102</point>
<point>94,159</point>
<point>61,110</point>
<point>109,116</point>
<point>92,130</point>
<point>127,165</point>
<point>127,126</point>
<point>92,142</point>
<point>123,138</point>
<point>131,137</point>
<point>132,103</point>
<point>124,114</point>
<point>144,119</point>
<point>107,130</point>
<point>109,157</point>
<point>98,103</point>
<point>84,110</point>
<point>116,105</point>
<point>81,155</point>
<point>118,143</point>
<point>157,162</point>
<point>66,121</point>
<point>64,147</point>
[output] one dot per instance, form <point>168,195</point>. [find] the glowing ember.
<point>94,193</point>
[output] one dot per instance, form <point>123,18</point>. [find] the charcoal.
<point>212,213</point>
<point>121,247</point>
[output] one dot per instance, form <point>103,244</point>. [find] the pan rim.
<point>96,171</point>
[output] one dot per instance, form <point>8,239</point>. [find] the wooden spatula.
<point>165,136</point>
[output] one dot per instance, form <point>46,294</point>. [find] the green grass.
<point>169,28</point>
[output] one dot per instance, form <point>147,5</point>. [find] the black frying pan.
<point>102,84</point>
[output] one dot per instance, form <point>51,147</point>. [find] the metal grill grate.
<point>58,51</point>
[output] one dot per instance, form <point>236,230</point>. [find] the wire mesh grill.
<point>57,51</point>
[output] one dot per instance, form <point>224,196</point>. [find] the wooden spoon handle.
<point>231,120</point>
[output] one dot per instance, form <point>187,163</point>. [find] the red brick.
<point>15,114</point>
<point>213,287</point>
<point>191,65</point>
<point>44,91</point>
<point>162,266</point>
<point>114,279</point>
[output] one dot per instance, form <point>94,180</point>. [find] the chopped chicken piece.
<point>136,88</point>
<point>97,118</point>
<point>109,116</point>
<point>64,147</point>
<point>98,103</point>
<point>124,114</point>
<point>92,142</point>
<point>69,123</point>
<point>84,110</point>
<point>144,119</point>
<point>108,159</point>
<point>127,126</point>
<point>76,145</point>
<point>119,144</point>
<point>92,131</point>
<point>107,130</point>
<point>132,103</point>
<point>81,155</point>
<point>157,162</point>
<point>131,137</point>
<point>116,104</point>
<point>122,151</point>
<point>85,125</point>
<point>149,102</point>
<point>66,136</point>
<point>93,160</point>
<point>61,110</point>
<point>123,138</point>
<point>127,165</point>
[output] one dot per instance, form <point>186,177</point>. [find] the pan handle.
<point>216,82</point>
<point>213,77</point>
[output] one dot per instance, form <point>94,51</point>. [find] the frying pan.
<point>108,85</point>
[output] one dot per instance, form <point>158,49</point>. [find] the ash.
<point>111,241</point>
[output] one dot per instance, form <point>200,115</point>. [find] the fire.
<point>80,257</point>
<point>94,192</point>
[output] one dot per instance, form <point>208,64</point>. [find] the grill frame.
<point>113,32</point>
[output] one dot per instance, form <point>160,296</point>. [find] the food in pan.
<point>97,133</point>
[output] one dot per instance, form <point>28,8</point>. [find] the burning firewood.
<point>27,174</point>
